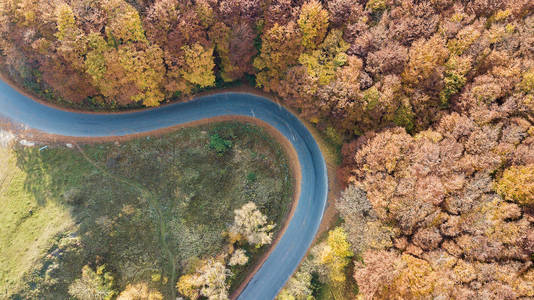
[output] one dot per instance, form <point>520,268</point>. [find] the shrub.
<point>376,5</point>
<point>219,144</point>
<point>93,285</point>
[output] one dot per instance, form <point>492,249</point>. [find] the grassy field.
<point>148,209</point>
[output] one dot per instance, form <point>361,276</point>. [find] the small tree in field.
<point>208,281</point>
<point>239,258</point>
<point>139,291</point>
<point>251,224</point>
<point>93,285</point>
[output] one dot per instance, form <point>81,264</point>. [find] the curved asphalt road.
<point>292,247</point>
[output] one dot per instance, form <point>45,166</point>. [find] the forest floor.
<point>148,208</point>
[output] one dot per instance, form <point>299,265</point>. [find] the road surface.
<point>292,247</point>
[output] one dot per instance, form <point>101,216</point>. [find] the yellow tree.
<point>517,184</point>
<point>252,225</point>
<point>93,285</point>
<point>280,50</point>
<point>123,22</point>
<point>73,45</point>
<point>146,69</point>
<point>139,291</point>
<point>336,254</point>
<point>313,23</point>
<point>425,57</point>
<point>209,281</point>
<point>189,286</point>
<point>323,62</point>
<point>122,64</point>
<point>197,66</point>
<point>95,62</point>
<point>527,84</point>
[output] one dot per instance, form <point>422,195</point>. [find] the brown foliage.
<point>436,188</point>
<point>344,11</point>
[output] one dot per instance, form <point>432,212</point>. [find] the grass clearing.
<point>27,226</point>
<point>148,209</point>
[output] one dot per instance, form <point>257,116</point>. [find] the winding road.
<point>292,246</point>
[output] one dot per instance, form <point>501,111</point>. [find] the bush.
<point>219,144</point>
<point>251,177</point>
<point>93,285</point>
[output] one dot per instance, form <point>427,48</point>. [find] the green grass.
<point>27,225</point>
<point>151,206</point>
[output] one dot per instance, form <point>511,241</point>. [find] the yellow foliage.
<point>313,23</point>
<point>187,286</point>
<point>323,62</point>
<point>73,44</point>
<point>147,71</point>
<point>464,272</point>
<point>204,13</point>
<point>198,65</point>
<point>509,28</point>
<point>65,21</point>
<point>124,23</point>
<point>376,5</point>
<point>517,184</point>
<point>143,68</point>
<point>234,237</point>
<point>95,62</point>
<point>139,291</point>
<point>417,277</point>
<point>502,14</point>
<point>524,285</point>
<point>280,49</point>
<point>25,11</point>
<point>527,84</point>
<point>284,295</point>
<point>496,33</point>
<point>425,57</point>
<point>336,254</point>
<point>464,39</point>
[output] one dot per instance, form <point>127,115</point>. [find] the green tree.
<point>456,69</point>
<point>219,144</point>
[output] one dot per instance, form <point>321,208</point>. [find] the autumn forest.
<point>430,105</point>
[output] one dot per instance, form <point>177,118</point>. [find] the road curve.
<point>292,247</point>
